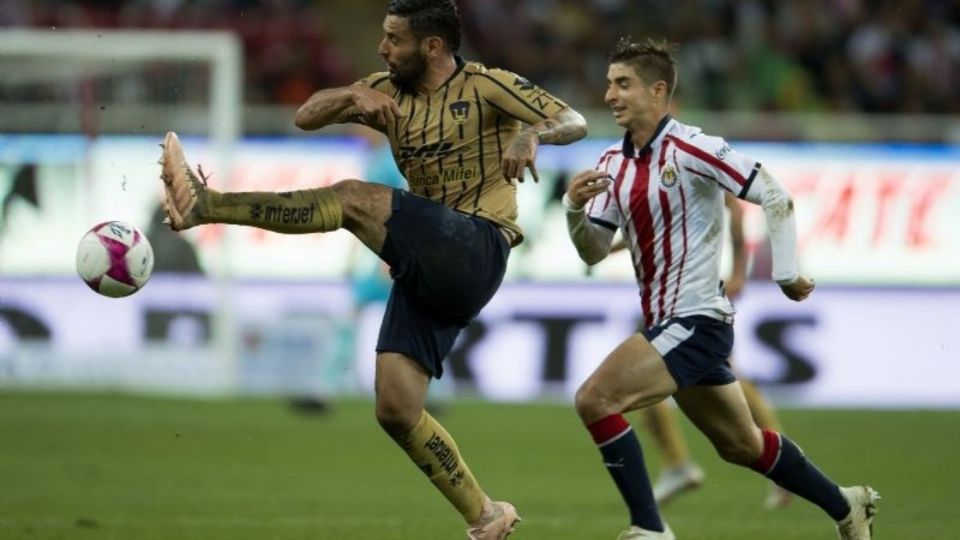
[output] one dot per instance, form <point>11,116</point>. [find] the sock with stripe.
<point>784,462</point>
<point>624,460</point>
<point>435,453</point>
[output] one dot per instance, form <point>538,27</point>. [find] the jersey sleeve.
<point>517,97</point>
<point>712,158</point>
<point>378,81</point>
<point>602,210</point>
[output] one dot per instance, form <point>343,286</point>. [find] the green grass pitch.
<point>105,466</point>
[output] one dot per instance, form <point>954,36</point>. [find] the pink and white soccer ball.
<point>115,259</point>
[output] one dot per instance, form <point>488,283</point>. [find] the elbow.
<point>575,123</point>
<point>779,208</point>
<point>592,257</point>
<point>302,120</point>
<point>579,125</point>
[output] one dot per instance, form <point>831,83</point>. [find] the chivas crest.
<point>668,177</point>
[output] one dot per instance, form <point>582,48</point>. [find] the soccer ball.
<point>115,259</point>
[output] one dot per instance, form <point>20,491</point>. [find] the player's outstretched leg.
<point>359,207</point>
<point>401,389</point>
<point>721,413</point>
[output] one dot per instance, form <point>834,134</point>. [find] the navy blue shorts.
<point>696,349</point>
<point>446,266</point>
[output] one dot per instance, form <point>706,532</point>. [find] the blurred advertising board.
<point>867,214</point>
<point>849,347</point>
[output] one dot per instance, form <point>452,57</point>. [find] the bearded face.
<point>401,52</point>
<point>407,71</point>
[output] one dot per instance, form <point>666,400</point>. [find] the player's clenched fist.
<point>799,289</point>
<point>377,108</point>
<point>585,186</point>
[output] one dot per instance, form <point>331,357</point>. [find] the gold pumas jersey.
<point>449,144</point>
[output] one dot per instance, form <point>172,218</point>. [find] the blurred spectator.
<point>785,55</point>
<point>885,56</point>
<point>288,51</point>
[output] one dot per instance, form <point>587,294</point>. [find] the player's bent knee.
<point>592,403</point>
<point>739,452</point>
<point>396,418</point>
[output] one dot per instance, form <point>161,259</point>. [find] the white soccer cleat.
<point>676,480</point>
<point>497,525</point>
<point>858,525</point>
<point>636,533</point>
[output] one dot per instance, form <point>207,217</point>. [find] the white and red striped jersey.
<point>667,198</point>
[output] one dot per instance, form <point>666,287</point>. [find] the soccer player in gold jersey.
<point>457,132</point>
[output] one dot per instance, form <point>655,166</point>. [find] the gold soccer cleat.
<point>497,525</point>
<point>182,188</point>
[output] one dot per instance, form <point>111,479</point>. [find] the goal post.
<point>104,48</point>
<point>58,61</point>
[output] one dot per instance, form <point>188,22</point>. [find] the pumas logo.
<point>460,110</point>
<point>668,177</point>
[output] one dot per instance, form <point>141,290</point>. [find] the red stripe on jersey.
<point>606,157</point>
<point>667,250</point>
<point>683,256</point>
<point>618,181</point>
<point>663,153</point>
<point>709,159</point>
<point>603,163</point>
<point>643,223</point>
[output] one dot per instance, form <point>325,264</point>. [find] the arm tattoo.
<point>565,127</point>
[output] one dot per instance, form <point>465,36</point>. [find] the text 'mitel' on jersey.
<point>449,144</point>
<point>667,197</point>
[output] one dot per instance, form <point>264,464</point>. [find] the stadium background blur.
<point>157,416</point>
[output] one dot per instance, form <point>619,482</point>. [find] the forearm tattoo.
<point>565,127</point>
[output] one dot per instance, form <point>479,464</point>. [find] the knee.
<point>593,402</point>
<point>395,416</point>
<point>349,191</point>
<point>743,451</point>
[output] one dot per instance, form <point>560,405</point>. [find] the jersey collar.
<point>460,64</point>
<point>628,147</point>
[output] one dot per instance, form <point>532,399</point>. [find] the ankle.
<point>486,512</point>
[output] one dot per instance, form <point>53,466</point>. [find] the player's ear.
<point>431,46</point>
<point>660,90</point>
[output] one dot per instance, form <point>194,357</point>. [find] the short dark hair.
<point>430,18</point>
<point>652,60</point>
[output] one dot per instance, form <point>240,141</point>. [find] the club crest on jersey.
<point>668,177</point>
<point>460,110</point>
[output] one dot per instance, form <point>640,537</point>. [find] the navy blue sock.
<point>624,460</point>
<point>784,462</point>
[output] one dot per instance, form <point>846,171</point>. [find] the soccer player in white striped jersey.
<point>663,185</point>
